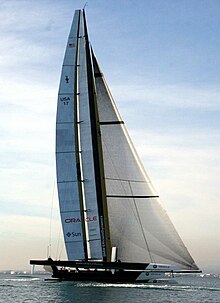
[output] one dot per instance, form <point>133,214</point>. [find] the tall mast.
<point>77,143</point>
<point>97,154</point>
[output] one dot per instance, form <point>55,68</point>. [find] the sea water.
<point>35,289</point>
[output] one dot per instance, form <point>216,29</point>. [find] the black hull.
<point>110,272</point>
<point>98,276</point>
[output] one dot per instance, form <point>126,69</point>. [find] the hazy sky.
<point>161,60</point>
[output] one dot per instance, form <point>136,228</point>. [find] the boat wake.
<point>122,285</point>
<point>20,279</point>
<point>163,287</point>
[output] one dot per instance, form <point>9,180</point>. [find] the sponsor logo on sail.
<point>73,234</point>
<point>77,219</point>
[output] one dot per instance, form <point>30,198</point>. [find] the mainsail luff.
<point>89,151</point>
<point>97,153</point>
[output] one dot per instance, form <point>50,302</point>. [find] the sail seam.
<point>132,197</point>
<point>126,180</point>
<point>67,152</point>
<point>141,226</point>
<point>71,94</point>
<point>72,122</point>
<point>69,211</point>
<point>72,241</point>
<point>67,181</point>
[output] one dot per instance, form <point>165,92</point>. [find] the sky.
<point>161,60</point>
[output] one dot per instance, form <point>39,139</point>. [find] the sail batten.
<point>132,196</point>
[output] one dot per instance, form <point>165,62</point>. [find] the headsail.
<point>139,226</point>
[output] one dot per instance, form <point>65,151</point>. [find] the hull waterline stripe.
<point>109,265</point>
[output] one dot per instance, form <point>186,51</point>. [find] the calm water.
<point>35,289</point>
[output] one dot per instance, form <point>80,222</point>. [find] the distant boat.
<point>114,227</point>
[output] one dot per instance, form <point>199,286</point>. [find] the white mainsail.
<point>74,152</point>
<point>66,158</point>
<point>102,185</point>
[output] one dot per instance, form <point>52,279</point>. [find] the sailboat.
<point>114,227</point>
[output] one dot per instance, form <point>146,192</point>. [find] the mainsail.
<point>67,151</point>
<point>75,156</point>
<point>106,198</point>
